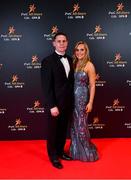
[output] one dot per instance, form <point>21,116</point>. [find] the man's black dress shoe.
<point>57,164</point>
<point>65,157</point>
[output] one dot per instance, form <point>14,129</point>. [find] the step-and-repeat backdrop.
<point>26,31</point>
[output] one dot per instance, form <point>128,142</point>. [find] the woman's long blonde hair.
<point>85,59</point>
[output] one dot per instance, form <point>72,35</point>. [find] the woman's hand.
<point>89,107</point>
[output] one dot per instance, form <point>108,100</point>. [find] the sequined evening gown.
<point>81,147</point>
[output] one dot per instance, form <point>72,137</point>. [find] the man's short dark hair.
<point>58,34</point>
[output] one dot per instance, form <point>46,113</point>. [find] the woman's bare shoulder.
<point>89,66</point>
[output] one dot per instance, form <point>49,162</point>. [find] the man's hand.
<point>54,111</point>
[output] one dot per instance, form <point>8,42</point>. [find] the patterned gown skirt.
<point>81,146</point>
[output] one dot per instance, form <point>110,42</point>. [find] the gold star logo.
<point>14,78</point>
<point>97,77</point>
<point>76,8</point>
<point>117,57</point>
<point>120,7</point>
<point>34,59</point>
<point>11,30</point>
<point>95,120</point>
<point>54,30</point>
<point>32,8</point>
<point>36,104</point>
<point>115,102</point>
<point>17,122</point>
<point>98,29</point>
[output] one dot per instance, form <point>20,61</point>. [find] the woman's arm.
<point>90,69</point>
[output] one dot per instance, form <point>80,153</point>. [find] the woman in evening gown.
<point>84,91</point>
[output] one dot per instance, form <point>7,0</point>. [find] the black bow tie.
<point>62,56</point>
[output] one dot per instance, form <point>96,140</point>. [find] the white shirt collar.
<point>59,53</point>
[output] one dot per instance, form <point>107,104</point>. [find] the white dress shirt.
<point>65,64</point>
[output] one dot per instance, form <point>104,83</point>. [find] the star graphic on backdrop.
<point>11,30</point>
<point>117,57</point>
<point>54,30</point>
<point>95,120</point>
<point>97,76</point>
<point>115,102</point>
<point>14,78</point>
<point>18,122</point>
<point>34,58</point>
<point>76,8</point>
<point>120,7</point>
<point>36,104</point>
<point>32,8</point>
<point>98,29</point>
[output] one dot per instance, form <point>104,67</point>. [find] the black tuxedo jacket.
<point>57,88</point>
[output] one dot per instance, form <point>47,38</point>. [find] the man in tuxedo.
<point>57,78</point>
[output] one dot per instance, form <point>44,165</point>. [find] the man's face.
<point>60,44</point>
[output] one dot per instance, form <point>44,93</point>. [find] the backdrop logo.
<point>117,57</point>
<point>128,82</point>
<point>3,110</point>
<point>50,36</point>
<point>54,30</point>
<point>117,61</point>
<point>95,120</point>
<point>36,104</point>
<point>99,82</point>
<point>119,12</point>
<point>115,103</point>
<point>11,35</point>
<point>98,29</point>
<point>34,64</point>
<point>14,79</point>
<point>76,8</point>
<point>115,107</point>
<point>32,8</point>
<point>127,125</point>
<point>36,108</point>
<point>14,83</point>
<point>32,13</point>
<point>120,7</point>
<point>98,34</point>
<point>11,30</point>
<point>17,126</point>
<point>96,124</point>
<point>75,14</point>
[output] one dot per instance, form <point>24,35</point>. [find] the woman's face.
<point>80,51</point>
